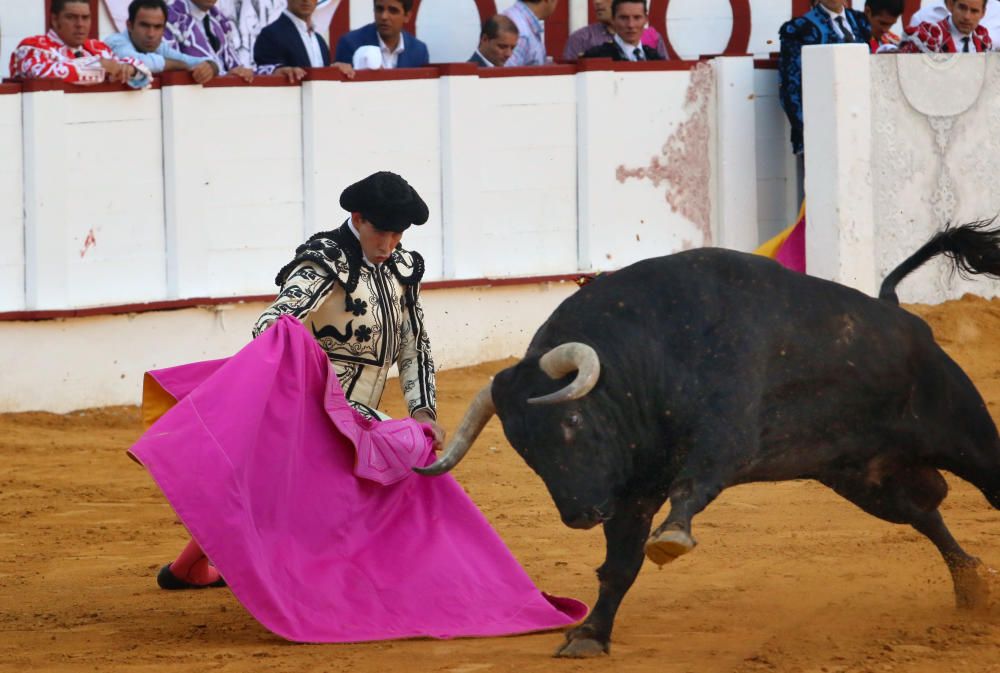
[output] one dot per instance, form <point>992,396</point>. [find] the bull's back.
<point>807,359</point>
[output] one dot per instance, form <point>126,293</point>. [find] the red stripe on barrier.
<point>599,64</point>
<point>527,71</point>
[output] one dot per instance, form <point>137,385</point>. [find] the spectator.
<point>628,19</point>
<point>143,41</point>
<point>399,48</point>
<point>935,11</point>
<point>828,22</point>
<point>66,52</point>
<point>598,33</point>
<point>497,41</point>
<point>528,16</point>
<point>199,29</point>
<point>958,32</point>
<point>882,15</point>
<point>289,44</point>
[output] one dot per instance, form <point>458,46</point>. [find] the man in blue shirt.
<point>398,48</point>
<point>144,41</point>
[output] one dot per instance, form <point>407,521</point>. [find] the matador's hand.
<point>424,416</point>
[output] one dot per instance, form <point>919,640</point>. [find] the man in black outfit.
<point>628,18</point>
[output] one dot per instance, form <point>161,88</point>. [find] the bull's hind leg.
<point>911,495</point>
<point>624,533</point>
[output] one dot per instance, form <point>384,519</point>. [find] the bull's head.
<point>561,435</point>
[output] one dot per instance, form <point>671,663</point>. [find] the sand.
<point>787,578</point>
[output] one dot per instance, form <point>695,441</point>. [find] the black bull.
<point>680,376</point>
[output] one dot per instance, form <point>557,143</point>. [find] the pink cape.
<point>313,515</point>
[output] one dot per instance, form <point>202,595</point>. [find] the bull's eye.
<point>570,424</point>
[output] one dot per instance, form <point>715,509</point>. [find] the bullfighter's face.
<point>72,24</point>
<point>881,22</point>
<point>966,14</point>
<point>375,243</point>
<point>568,444</point>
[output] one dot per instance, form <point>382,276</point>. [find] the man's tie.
<point>637,52</point>
<point>844,30</point>
<point>965,45</point>
<point>212,39</point>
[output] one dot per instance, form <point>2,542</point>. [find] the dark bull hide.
<point>680,376</point>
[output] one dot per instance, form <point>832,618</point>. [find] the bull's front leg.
<point>625,534</point>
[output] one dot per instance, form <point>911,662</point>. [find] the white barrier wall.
<point>11,202</point>
<point>778,196</point>
<point>43,368</point>
<point>356,128</point>
<point>232,173</point>
<point>93,198</point>
<point>188,191</point>
<point>917,146</point>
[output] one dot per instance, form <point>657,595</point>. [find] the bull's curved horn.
<point>475,419</point>
<point>562,360</point>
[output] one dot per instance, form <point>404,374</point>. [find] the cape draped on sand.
<point>312,513</point>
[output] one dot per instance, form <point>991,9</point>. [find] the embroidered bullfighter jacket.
<point>365,317</point>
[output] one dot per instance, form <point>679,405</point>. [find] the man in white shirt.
<point>399,48</point>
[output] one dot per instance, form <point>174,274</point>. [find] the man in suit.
<point>497,41</point>
<point>628,18</point>
<point>199,29</point>
<point>828,22</point>
<point>399,48</point>
<point>961,31</point>
<point>289,45</point>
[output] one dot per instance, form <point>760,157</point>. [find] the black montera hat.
<point>386,200</point>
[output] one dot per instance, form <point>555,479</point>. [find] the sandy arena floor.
<point>788,578</point>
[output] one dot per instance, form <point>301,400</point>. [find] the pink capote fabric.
<point>313,515</point>
<point>792,253</point>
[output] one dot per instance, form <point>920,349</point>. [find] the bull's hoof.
<point>581,648</point>
<point>668,545</point>
<point>973,585</point>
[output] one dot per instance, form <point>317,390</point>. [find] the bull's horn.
<point>475,419</point>
<point>562,360</point>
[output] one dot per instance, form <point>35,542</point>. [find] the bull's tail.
<point>974,249</point>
